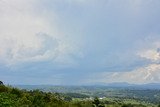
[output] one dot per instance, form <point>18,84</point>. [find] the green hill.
<point>14,97</point>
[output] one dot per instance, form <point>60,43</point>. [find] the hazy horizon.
<point>76,42</point>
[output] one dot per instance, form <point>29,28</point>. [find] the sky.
<point>79,42</point>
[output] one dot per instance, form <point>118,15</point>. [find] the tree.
<point>96,101</point>
<point>1,83</point>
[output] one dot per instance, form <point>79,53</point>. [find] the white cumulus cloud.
<point>149,49</point>
<point>26,35</point>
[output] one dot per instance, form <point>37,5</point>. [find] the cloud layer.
<point>79,40</point>
<point>148,73</point>
<point>26,36</point>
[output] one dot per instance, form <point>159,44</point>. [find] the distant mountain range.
<point>109,85</point>
<point>127,85</point>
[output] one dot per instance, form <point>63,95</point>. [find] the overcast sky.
<point>78,42</point>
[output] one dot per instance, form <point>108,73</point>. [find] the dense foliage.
<point>14,97</point>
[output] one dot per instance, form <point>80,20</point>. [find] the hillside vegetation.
<point>14,97</point>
